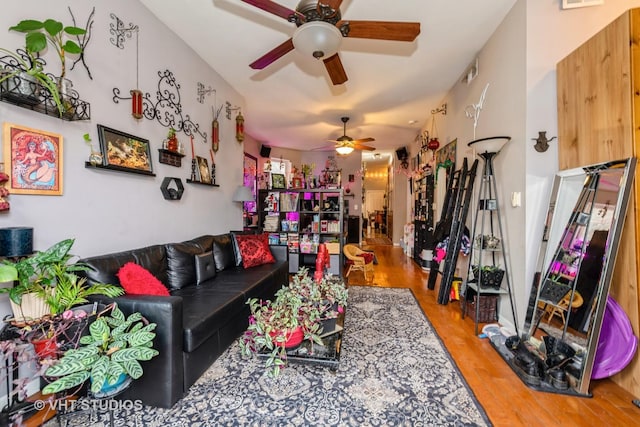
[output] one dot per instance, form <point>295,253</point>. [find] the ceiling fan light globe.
<point>344,150</point>
<point>318,39</point>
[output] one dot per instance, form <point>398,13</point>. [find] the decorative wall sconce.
<point>239,120</point>
<point>121,34</point>
<point>542,143</point>
<point>202,92</point>
<point>442,109</point>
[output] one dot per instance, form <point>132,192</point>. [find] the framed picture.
<point>203,167</point>
<point>33,160</point>
<point>250,179</point>
<point>296,182</point>
<point>125,152</point>
<point>278,181</point>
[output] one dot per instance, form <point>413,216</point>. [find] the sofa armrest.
<point>162,383</point>
<point>280,252</point>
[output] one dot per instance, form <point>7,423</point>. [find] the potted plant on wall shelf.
<point>40,34</point>
<point>24,80</point>
<point>109,356</point>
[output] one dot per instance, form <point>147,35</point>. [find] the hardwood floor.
<point>507,401</point>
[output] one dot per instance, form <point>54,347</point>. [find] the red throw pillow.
<point>368,257</point>
<point>254,249</point>
<point>137,280</point>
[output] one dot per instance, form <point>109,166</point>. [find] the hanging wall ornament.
<point>120,34</point>
<point>239,127</point>
<point>215,127</point>
<point>166,109</point>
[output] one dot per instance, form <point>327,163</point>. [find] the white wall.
<point>518,63</point>
<point>108,211</point>
<point>502,67</point>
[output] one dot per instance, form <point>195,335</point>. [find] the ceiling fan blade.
<point>343,142</point>
<point>334,67</point>
<point>276,9</point>
<point>325,148</point>
<point>333,4</point>
<point>363,147</point>
<point>382,30</point>
<point>272,55</point>
<point>358,141</point>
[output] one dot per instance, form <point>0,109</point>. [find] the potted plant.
<point>296,314</point>
<point>328,296</point>
<point>278,325</point>
<point>95,158</point>
<point>49,281</point>
<point>24,80</point>
<point>39,34</point>
<point>109,356</point>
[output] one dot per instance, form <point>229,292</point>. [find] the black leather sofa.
<point>197,322</point>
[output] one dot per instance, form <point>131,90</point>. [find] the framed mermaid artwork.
<point>33,160</point>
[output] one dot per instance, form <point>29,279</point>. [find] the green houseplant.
<point>298,310</point>
<point>113,350</point>
<point>39,35</point>
<point>50,276</point>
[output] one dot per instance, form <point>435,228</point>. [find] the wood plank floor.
<point>507,401</point>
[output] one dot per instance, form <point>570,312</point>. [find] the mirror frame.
<point>555,229</point>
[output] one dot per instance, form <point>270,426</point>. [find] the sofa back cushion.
<point>223,252</point>
<point>181,266</point>
<point>104,268</point>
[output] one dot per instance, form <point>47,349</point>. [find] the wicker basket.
<point>488,308</point>
<point>491,279</point>
<point>333,248</point>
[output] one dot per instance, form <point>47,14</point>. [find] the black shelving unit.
<point>301,219</point>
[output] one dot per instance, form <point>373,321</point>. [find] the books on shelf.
<point>271,222</point>
<point>274,239</point>
<point>293,242</point>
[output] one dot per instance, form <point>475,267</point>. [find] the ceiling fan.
<point>345,144</point>
<point>320,32</point>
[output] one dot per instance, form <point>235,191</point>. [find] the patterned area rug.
<point>394,371</point>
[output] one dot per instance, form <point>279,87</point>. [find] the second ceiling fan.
<point>320,32</point>
<point>345,144</point>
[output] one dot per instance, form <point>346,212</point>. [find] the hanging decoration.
<point>202,92</point>
<point>167,108</point>
<point>136,94</point>
<point>473,111</point>
<point>239,120</point>
<point>4,193</point>
<point>239,127</point>
<point>83,40</point>
<point>215,125</point>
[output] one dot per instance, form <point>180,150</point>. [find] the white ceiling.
<point>292,103</point>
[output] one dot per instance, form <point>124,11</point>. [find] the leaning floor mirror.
<point>582,229</point>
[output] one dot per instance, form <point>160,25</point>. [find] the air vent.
<point>570,4</point>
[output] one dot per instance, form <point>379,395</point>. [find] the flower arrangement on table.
<point>296,314</point>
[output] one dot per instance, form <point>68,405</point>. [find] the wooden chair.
<point>563,306</point>
<point>357,259</point>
